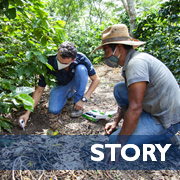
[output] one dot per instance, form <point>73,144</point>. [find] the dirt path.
<point>42,122</point>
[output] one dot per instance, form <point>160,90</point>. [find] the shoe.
<point>76,113</point>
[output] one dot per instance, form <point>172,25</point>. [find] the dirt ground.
<point>42,122</point>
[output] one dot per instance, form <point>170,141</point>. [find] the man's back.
<point>162,96</point>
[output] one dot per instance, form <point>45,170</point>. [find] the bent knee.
<point>81,68</point>
<point>54,111</point>
<point>119,87</point>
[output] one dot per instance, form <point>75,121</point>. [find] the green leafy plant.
<point>15,99</point>
<point>161,31</point>
<point>88,39</point>
<point>5,124</point>
<point>27,37</point>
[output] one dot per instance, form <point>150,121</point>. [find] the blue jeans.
<point>60,94</point>
<point>147,127</point>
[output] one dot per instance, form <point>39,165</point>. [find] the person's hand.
<point>109,127</point>
<point>25,117</point>
<point>79,105</point>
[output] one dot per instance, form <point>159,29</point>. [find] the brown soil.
<point>41,122</point>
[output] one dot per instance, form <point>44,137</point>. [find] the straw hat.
<point>118,34</point>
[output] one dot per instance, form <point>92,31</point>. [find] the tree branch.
<point>125,5</point>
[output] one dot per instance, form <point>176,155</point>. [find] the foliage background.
<point>27,36</point>
<point>31,30</point>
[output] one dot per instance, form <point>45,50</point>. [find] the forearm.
<point>92,87</point>
<point>117,117</point>
<point>130,123</point>
<point>132,115</point>
<point>120,113</point>
<point>36,97</point>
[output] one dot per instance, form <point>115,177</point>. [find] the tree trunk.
<point>129,5</point>
<point>132,15</point>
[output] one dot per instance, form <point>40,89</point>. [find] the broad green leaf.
<point>12,87</point>
<point>35,24</point>
<point>20,71</point>
<point>16,102</point>
<point>6,85</point>
<point>45,24</point>
<point>26,99</point>
<point>11,13</point>
<point>50,67</point>
<point>2,94</point>
<point>38,33</point>
<point>3,59</point>
<point>19,2</point>
<point>6,126</point>
<point>30,108</point>
<point>29,55</point>
<point>37,53</point>
<point>53,30</point>
<point>5,4</point>
<point>7,109</point>
<point>44,41</point>
<point>42,58</point>
<point>22,90</point>
<point>9,122</point>
<point>23,12</point>
<point>49,52</point>
<point>27,71</point>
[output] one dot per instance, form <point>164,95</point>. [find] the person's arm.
<point>36,97</point>
<point>110,127</point>
<point>95,81</point>
<point>131,117</point>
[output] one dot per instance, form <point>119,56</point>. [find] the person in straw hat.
<point>149,99</point>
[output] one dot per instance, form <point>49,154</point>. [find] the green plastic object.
<point>94,115</point>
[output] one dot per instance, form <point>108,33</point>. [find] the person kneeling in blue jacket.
<point>71,71</point>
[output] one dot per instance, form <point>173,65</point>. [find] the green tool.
<point>94,115</point>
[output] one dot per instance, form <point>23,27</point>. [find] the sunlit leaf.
<point>50,67</point>
<point>30,108</point>
<point>26,99</point>
<point>42,58</point>
<point>22,90</point>
<point>23,12</point>
<point>45,24</point>
<point>29,55</point>
<point>37,53</point>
